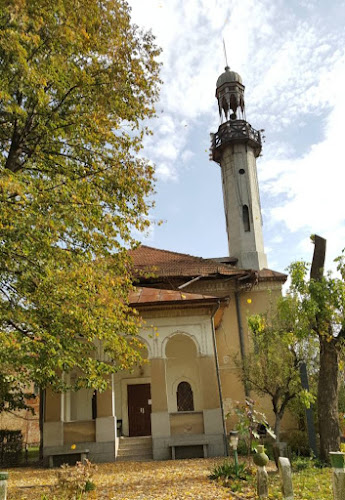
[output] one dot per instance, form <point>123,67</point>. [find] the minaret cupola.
<point>230,96</point>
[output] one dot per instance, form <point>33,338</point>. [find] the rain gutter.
<point>226,445</point>
<point>241,336</point>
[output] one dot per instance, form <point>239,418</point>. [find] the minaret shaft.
<point>242,206</point>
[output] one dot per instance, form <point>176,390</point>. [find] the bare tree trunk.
<point>277,427</point>
<point>327,396</point>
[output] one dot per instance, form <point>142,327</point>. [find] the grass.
<point>170,480</point>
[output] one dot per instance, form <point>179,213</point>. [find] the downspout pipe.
<point>226,444</point>
<point>241,335</point>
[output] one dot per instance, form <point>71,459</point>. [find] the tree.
<point>77,82</point>
<point>271,368</point>
<point>319,312</point>
<point>12,395</point>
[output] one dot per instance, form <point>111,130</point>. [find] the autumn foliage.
<point>77,82</point>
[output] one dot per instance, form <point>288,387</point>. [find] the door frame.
<point>124,404</point>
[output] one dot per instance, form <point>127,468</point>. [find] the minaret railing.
<point>231,132</point>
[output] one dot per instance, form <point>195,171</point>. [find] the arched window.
<point>184,397</point>
<point>245,215</point>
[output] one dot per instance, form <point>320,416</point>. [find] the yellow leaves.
<point>84,33</point>
<point>170,480</point>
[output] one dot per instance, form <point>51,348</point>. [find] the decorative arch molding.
<point>184,333</point>
<point>175,384</point>
<point>147,345</point>
<point>178,380</point>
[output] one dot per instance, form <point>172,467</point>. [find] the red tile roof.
<point>268,274</point>
<point>163,264</point>
<point>145,295</point>
<point>166,263</point>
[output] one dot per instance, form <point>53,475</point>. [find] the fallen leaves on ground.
<point>170,480</point>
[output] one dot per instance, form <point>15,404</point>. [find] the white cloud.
<point>187,156</point>
<point>165,172</point>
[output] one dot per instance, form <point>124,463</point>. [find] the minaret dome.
<point>230,96</point>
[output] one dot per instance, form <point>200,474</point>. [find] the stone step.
<point>138,458</point>
<point>135,440</point>
<point>135,448</point>
<point>128,451</point>
<point>134,451</point>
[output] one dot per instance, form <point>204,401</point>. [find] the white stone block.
<point>105,429</point>
<point>160,424</point>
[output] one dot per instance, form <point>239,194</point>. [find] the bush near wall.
<point>298,443</point>
<point>11,445</point>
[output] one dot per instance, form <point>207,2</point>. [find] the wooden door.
<point>139,409</point>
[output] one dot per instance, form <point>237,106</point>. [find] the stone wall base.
<point>98,452</point>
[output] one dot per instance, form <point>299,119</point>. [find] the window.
<point>184,397</point>
<point>245,215</point>
<point>94,405</point>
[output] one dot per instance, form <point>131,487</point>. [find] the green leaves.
<point>76,82</point>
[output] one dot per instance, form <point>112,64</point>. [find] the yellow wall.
<point>79,432</point>
<point>255,301</point>
<point>52,406</point>
<point>186,423</point>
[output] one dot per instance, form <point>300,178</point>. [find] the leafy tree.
<point>77,82</point>
<point>271,368</point>
<point>319,312</point>
<point>13,396</point>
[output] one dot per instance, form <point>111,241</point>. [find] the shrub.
<point>299,463</point>
<point>11,445</point>
<point>298,443</point>
<point>74,482</point>
<point>227,470</point>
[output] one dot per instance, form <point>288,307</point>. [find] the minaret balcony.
<point>234,132</point>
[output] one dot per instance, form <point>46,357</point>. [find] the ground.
<point>171,480</point>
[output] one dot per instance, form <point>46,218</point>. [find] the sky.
<point>291,56</point>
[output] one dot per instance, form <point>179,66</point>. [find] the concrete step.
<point>135,459</point>
<point>136,448</point>
<point>136,440</point>
<point>138,453</point>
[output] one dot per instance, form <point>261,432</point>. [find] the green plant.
<point>298,443</point>
<point>227,470</point>
<point>74,482</point>
<point>301,463</point>
<point>249,420</point>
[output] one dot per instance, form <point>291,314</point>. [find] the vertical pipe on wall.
<point>240,335</point>
<point>226,446</point>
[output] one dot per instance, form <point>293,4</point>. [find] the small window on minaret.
<point>245,215</point>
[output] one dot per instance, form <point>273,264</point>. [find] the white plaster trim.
<point>174,392</point>
<point>113,395</point>
<point>180,332</point>
<point>147,345</point>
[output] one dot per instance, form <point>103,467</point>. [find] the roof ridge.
<point>169,251</point>
<point>181,292</point>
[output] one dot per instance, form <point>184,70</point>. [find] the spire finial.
<point>225,56</point>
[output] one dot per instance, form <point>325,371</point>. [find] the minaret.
<point>235,147</point>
